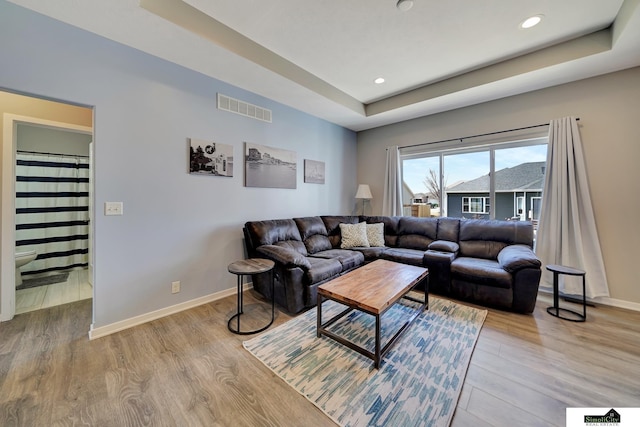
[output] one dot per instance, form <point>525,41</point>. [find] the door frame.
<point>533,211</point>
<point>521,208</point>
<point>8,211</point>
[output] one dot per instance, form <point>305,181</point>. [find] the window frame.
<point>486,204</point>
<point>442,149</point>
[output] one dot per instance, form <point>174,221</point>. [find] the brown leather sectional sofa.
<point>484,261</point>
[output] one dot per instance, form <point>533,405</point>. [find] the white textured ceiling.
<point>322,56</point>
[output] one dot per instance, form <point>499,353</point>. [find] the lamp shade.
<point>364,192</point>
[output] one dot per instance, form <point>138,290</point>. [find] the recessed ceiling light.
<point>531,22</point>
<point>404,5</point>
<point>379,80</point>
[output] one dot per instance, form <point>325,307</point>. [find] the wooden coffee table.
<point>373,289</point>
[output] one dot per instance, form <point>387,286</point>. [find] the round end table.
<point>556,309</point>
<point>243,268</point>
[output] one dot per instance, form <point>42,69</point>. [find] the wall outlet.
<point>175,287</point>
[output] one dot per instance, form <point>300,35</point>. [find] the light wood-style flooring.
<point>76,288</point>
<point>189,370</point>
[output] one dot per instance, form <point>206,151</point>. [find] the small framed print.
<point>313,171</point>
<point>210,158</point>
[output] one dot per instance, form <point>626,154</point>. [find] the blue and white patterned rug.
<point>419,380</point>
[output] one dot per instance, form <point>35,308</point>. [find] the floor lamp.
<point>364,193</point>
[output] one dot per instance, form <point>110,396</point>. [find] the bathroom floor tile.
<point>76,288</point>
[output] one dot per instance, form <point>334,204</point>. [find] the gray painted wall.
<point>175,226</point>
<point>609,107</point>
<point>504,206</point>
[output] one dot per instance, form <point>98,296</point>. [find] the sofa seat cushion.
<point>348,259</point>
<point>371,254</point>
<point>405,256</point>
<point>481,271</point>
<point>322,269</point>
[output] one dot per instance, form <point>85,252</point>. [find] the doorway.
<point>30,112</point>
<point>52,216</point>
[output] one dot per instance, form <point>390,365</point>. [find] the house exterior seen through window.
<point>494,181</point>
<point>475,205</point>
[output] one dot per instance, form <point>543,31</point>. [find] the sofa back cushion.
<point>280,232</point>
<point>332,224</point>
<point>448,229</point>
<point>314,234</point>
<point>416,233</point>
<point>485,239</point>
<point>390,227</point>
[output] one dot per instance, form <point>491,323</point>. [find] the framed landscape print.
<point>269,167</point>
<point>210,158</point>
<point>313,171</point>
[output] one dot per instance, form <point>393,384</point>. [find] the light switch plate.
<point>113,208</point>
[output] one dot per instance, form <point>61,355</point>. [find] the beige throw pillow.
<point>375,234</point>
<point>354,235</point>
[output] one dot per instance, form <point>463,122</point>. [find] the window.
<point>475,205</point>
<point>489,180</point>
<point>424,172</point>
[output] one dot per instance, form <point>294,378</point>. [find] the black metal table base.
<point>379,350</point>
<point>240,311</point>
<point>556,310</point>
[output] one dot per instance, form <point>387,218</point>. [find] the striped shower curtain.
<point>52,211</point>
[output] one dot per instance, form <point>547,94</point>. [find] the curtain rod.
<point>478,135</point>
<point>51,154</point>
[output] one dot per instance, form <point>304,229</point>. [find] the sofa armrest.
<point>439,265</point>
<point>432,257</point>
<point>444,246</point>
<point>285,256</point>
<point>516,257</point>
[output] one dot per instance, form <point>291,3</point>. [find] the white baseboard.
<point>618,303</point>
<point>103,331</point>
<point>606,301</point>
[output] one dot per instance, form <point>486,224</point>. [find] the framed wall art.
<point>269,167</point>
<point>210,158</point>
<point>313,171</point>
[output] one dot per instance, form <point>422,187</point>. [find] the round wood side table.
<point>243,268</point>
<point>556,309</point>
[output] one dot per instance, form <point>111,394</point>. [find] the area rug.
<point>418,383</point>
<point>43,281</point>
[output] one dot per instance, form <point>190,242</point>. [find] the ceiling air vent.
<point>233,105</point>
